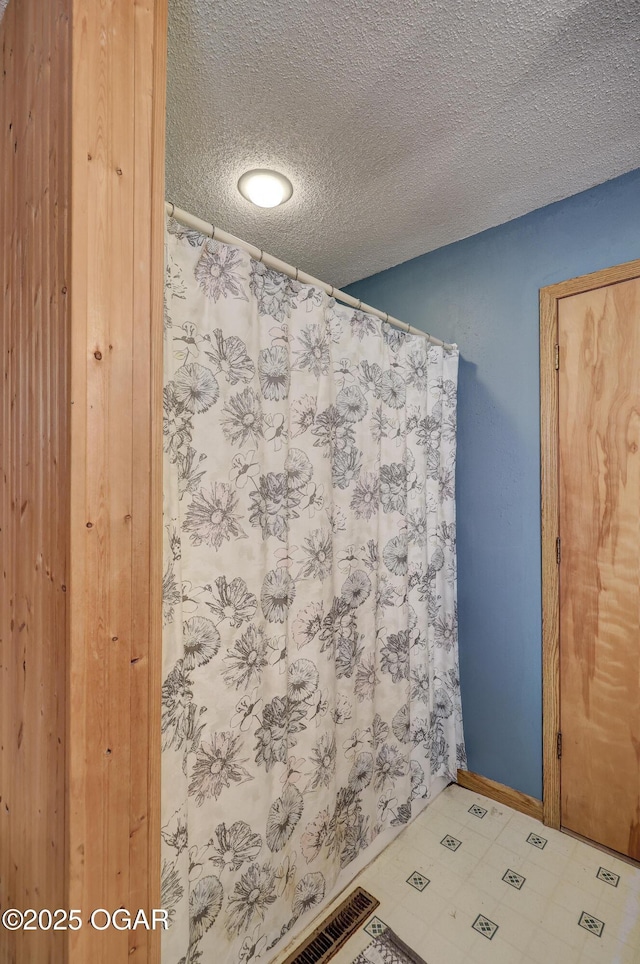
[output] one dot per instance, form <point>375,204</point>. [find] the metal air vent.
<point>327,939</point>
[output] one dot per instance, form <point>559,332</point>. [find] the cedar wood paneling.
<point>81,216</point>
<point>34,464</point>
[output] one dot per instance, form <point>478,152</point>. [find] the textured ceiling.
<point>403,126</point>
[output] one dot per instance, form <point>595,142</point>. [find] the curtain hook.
<point>261,254</point>
<point>386,317</point>
<point>297,272</point>
<point>359,305</point>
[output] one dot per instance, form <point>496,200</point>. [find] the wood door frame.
<point>549,485</point>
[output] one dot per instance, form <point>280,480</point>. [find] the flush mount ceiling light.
<point>267,189</point>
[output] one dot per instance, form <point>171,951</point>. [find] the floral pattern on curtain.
<point>311,690</point>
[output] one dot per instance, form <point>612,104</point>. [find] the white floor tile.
<point>547,949</point>
<point>430,908</point>
<point>514,838</point>
<point>563,925</point>
<point>626,893</point>
<point>429,844</point>
<point>473,901</point>
<point>490,879</point>
<point>538,878</point>
<point>408,926</point>
<point>514,927</point>
<point>622,920</point>
<point>436,949</point>
<point>583,875</point>
<point>528,824</point>
<point>607,950</point>
<point>461,862</point>
<point>537,924</point>
<point>456,926</point>
<point>548,859</point>
<point>475,843</point>
<point>496,951</point>
<point>561,843</point>
<point>530,904</point>
<point>500,856</point>
<point>443,823</point>
<point>490,826</point>
<point>572,898</point>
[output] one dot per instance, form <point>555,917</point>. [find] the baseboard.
<point>501,794</point>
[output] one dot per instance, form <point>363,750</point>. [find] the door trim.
<point>507,796</point>
<point>549,497</point>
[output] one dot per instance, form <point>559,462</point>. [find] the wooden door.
<point>599,569</point>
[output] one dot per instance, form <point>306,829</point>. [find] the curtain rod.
<point>191,221</point>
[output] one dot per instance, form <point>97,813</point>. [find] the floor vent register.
<point>327,939</point>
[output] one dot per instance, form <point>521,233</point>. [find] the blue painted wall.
<point>483,294</point>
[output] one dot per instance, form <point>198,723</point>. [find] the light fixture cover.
<point>265,188</point>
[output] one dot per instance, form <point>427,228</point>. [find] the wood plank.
<point>599,486</point>
<point>596,279</point>
<point>550,531</point>
<point>117,151</point>
<point>7,28</point>
<point>150,63</point>
<point>34,467</point>
<point>500,793</point>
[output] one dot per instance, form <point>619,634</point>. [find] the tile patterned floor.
<point>503,889</point>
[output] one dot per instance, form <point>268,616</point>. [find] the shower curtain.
<point>311,693</point>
